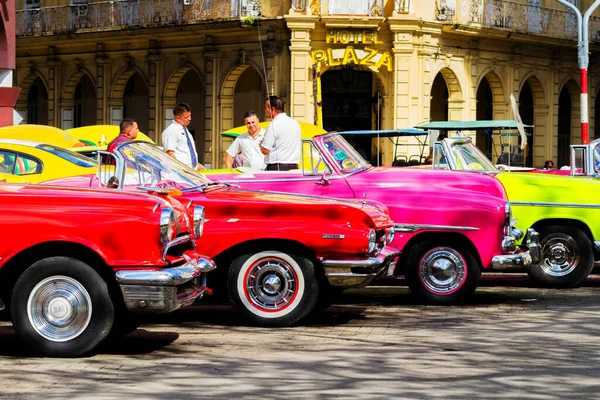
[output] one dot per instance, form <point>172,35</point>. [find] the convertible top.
<point>472,125</point>
<point>386,133</point>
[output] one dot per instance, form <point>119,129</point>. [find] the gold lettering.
<point>367,60</point>
<point>330,37</point>
<point>367,37</point>
<point>332,62</point>
<point>318,55</point>
<point>376,38</point>
<point>344,37</point>
<point>386,59</point>
<point>350,56</point>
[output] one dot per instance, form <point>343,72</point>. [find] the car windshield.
<point>67,155</point>
<point>343,154</point>
<point>468,157</point>
<point>146,165</point>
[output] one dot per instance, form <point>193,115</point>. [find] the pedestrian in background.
<point>282,142</point>
<point>128,130</point>
<point>248,144</point>
<point>549,164</point>
<point>177,140</point>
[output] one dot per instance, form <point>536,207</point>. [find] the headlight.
<point>372,242</point>
<point>390,235</point>
<point>168,227</point>
<point>198,221</point>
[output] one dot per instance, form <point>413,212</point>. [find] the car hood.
<point>536,188</point>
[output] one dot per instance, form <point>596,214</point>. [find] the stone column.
<point>155,69</point>
<point>213,108</point>
<point>302,99</point>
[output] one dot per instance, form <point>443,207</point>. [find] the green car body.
<point>564,210</point>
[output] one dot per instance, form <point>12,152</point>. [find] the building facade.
<point>341,64</point>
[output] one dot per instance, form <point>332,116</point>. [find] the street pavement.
<point>509,341</point>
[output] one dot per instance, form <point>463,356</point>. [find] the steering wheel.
<point>475,166</point>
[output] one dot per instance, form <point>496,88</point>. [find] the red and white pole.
<point>585,128</point>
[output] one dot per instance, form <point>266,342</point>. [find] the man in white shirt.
<point>177,140</point>
<point>282,142</point>
<point>248,144</point>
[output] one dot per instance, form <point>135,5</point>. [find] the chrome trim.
<point>512,261</point>
<point>597,245</point>
<point>517,233</point>
<point>424,227</point>
<point>523,259</point>
<point>167,215</point>
<point>333,236</point>
<point>156,206</point>
<point>339,272</point>
<point>551,204</point>
<point>175,242</point>
<point>164,290</point>
<point>509,244</point>
<point>167,276</point>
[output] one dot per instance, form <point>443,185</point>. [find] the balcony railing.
<point>373,8</point>
<point>131,13</point>
<point>513,16</point>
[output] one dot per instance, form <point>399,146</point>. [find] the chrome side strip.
<point>551,204</point>
<point>424,227</point>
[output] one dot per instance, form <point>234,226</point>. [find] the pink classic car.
<point>449,226</point>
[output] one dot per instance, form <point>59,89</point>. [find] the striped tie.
<point>191,147</point>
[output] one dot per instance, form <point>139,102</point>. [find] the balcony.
<point>370,8</point>
<point>514,17</point>
<point>115,15</point>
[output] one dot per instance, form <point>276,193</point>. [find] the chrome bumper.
<point>359,273</point>
<point>523,259</point>
<point>164,290</point>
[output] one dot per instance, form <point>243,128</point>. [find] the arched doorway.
<point>248,95</point>
<point>84,103</point>
<point>438,105</point>
<point>526,110</point>
<point>190,91</point>
<point>485,111</point>
<point>564,127</point>
<point>37,103</point>
<point>136,101</point>
<point>347,99</point>
<point>349,103</point>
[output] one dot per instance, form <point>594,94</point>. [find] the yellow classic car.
<point>41,134</point>
<point>32,162</point>
<point>97,137</point>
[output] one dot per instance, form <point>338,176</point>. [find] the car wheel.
<point>61,307</point>
<point>270,288</point>
<point>567,257</point>
<point>441,273</point>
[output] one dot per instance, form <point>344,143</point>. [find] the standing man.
<point>248,144</point>
<point>282,141</point>
<point>128,129</point>
<point>177,141</point>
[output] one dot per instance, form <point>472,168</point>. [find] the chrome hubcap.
<point>560,255</point>
<point>442,270</point>
<point>59,308</point>
<point>271,284</point>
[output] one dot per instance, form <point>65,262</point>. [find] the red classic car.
<point>279,255</point>
<point>77,264</point>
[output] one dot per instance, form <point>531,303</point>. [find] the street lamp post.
<point>583,59</point>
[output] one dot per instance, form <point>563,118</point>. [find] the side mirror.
<point>113,182</point>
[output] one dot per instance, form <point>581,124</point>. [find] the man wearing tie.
<point>177,140</point>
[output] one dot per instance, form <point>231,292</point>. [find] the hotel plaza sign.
<point>367,56</point>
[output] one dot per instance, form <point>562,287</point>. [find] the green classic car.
<point>564,210</point>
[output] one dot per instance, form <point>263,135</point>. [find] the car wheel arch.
<point>13,268</point>
<point>441,237</point>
